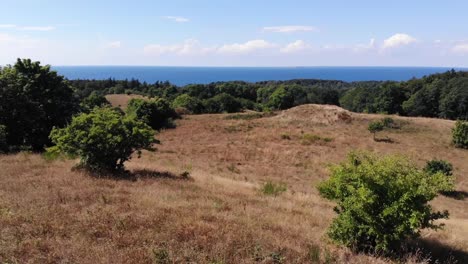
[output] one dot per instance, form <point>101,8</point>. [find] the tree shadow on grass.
<point>134,175</point>
<point>436,252</point>
<point>457,195</point>
<point>385,140</point>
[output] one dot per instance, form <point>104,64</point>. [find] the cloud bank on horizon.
<point>181,33</point>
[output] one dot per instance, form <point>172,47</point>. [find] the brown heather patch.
<point>50,214</point>
<point>121,100</point>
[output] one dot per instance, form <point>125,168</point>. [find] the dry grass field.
<point>121,100</point>
<point>51,214</point>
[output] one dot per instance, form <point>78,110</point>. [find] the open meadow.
<point>199,198</point>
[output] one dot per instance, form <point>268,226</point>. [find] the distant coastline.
<point>203,75</point>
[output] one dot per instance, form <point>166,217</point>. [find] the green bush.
<point>460,134</point>
<point>273,189</point>
<point>157,112</point>
<point>375,126</point>
<point>192,104</point>
<point>222,103</point>
<point>381,202</point>
<point>3,139</point>
<point>92,101</point>
<point>388,122</point>
<point>103,139</point>
<point>442,166</point>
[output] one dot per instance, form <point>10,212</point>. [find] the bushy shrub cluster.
<point>381,202</point>
<point>460,134</point>
<point>439,166</point>
<point>156,112</point>
<point>103,139</point>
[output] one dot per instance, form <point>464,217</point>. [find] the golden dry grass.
<point>121,100</point>
<point>50,214</point>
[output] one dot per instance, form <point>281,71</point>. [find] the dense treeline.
<point>34,99</point>
<point>442,95</point>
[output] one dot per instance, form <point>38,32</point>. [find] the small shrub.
<point>460,134</point>
<point>273,189</point>
<point>308,139</point>
<point>381,202</point>
<point>314,254</point>
<point>285,136</point>
<point>374,127</point>
<point>161,256</point>
<point>442,166</point>
<point>103,139</point>
<point>92,101</point>
<point>232,168</point>
<point>388,122</point>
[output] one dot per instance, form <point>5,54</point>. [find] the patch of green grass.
<point>273,189</point>
<point>309,139</point>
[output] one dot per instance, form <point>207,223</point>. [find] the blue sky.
<point>236,33</point>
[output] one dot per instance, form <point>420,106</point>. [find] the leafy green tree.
<point>375,126</point>
<point>222,103</point>
<point>389,98</point>
<point>381,202</point>
<point>436,166</point>
<point>425,102</point>
<point>281,98</point>
<point>460,134</point>
<point>92,101</point>
<point>454,99</point>
<point>103,139</point>
<point>156,112</point>
<point>33,99</point>
<point>192,104</point>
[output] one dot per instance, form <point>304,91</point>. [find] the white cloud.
<point>27,28</point>
<point>188,47</point>
<point>177,19</point>
<point>397,40</point>
<point>47,28</point>
<point>246,47</point>
<point>461,48</point>
<point>289,29</point>
<point>296,46</point>
<point>114,44</point>
<point>7,26</point>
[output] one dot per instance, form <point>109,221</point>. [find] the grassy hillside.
<point>50,214</point>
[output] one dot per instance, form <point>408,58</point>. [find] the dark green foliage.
<point>388,122</point>
<point>222,103</point>
<point>460,134</point>
<point>33,99</point>
<point>103,139</point>
<point>436,166</point>
<point>282,98</point>
<point>156,112</point>
<point>92,101</point>
<point>192,104</point>
<point>389,98</point>
<point>375,126</point>
<point>3,139</point>
<point>381,202</point>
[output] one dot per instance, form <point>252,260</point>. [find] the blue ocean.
<point>188,75</point>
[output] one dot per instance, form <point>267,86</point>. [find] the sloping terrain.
<point>50,214</point>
